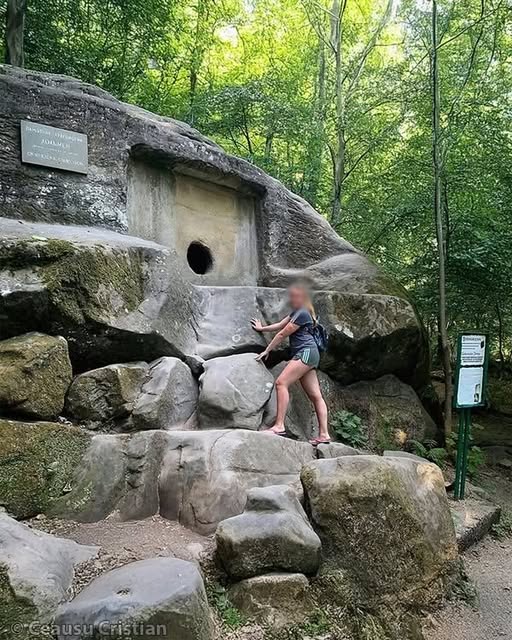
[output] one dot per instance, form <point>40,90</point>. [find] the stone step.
<point>473,518</point>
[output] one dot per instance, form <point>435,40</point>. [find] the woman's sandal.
<point>316,441</point>
<point>275,433</point>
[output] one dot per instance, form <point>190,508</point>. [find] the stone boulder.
<point>99,482</point>
<point>161,180</point>
<point>157,597</point>
<point>335,450</point>
<point>206,475</point>
<point>168,396</point>
<point>35,373</point>
<point>277,599</point>
<point>390,410</point>
<point>110,295</point>
<point>36,571</point>
<point>37,462</point>
<point>386,530</point>
<point>273,534</point>
<point>233,392</point>
<point>197,478</point>
<point>105,396</point>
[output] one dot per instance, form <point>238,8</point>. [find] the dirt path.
<point>124,542</point>
<point>489,565</point>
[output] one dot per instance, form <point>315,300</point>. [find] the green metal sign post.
<point>471,380</point>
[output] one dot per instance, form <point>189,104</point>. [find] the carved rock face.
<point>220,239</point>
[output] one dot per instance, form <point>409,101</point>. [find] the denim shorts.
<point>309,356</point>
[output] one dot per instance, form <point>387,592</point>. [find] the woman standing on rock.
<point>299,327</point>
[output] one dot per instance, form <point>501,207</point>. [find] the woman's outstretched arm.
<point>270,328</point>
<point>286,331</point>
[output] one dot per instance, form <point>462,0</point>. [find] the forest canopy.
<point>335,100</point>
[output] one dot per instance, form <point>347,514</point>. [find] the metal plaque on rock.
<point>52,147</point>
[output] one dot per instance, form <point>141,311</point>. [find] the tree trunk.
<point>316,141</point>
<point>339,151</point>
<point>197,56</point>
<point>500,339</point>
<point>438,214</point>
<point>14,31</point>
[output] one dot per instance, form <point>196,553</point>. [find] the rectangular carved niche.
<point>211,227</point>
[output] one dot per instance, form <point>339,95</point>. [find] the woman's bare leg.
<point>293,371</point>
<point>311,386</point>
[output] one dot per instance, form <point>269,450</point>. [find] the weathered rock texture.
<point>386,530</point>
<point>390,410</point>
<point>234,392</point>
<point>473,518</point>
<point>275,599</point>
<point>157,597</point>
<point>168,396</point>
<point>35,373</point>
<point>157,178</point>
<point>106,395</point>
<point>36,571</point>
<point>195,477</point>
<point>273,534</point>
<point>110,295</point>
<point>37,461</point>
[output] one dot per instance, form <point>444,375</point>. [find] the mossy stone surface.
<point>35,373</point>
<point>386,528</point>
<point>37,461</point>
<point>82,282</point>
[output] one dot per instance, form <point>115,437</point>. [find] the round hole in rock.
<point>199,258</point>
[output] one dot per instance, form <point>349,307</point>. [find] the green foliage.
<point>430,451</point>
<point>476,457</point>
<point>317,623</point>
<point>218,598</point>
<point>261,78</point>
<point>349,429</point>
<point>385,439</point>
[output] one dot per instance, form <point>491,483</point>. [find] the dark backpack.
<point>321,336</point>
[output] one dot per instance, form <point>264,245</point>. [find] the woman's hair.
<point>303,286</point>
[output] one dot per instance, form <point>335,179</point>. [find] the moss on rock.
<point>37,461</point>
<point>81,281</point>
<point>35,373</point>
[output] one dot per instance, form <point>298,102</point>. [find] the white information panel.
<point>472,353</point>
<point>470,388</point>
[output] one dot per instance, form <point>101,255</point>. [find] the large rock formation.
<point>105,396</point>
<point>387,534</point>
<point>234,392</point>
<point>191,284</point>
<point>195,477</point>
<point>36,571</point>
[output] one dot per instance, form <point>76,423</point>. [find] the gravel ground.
<point>124,542</point>
<point>489,565</point>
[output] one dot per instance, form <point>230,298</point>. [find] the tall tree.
<point>437,154</point>
<point>14,32</point>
